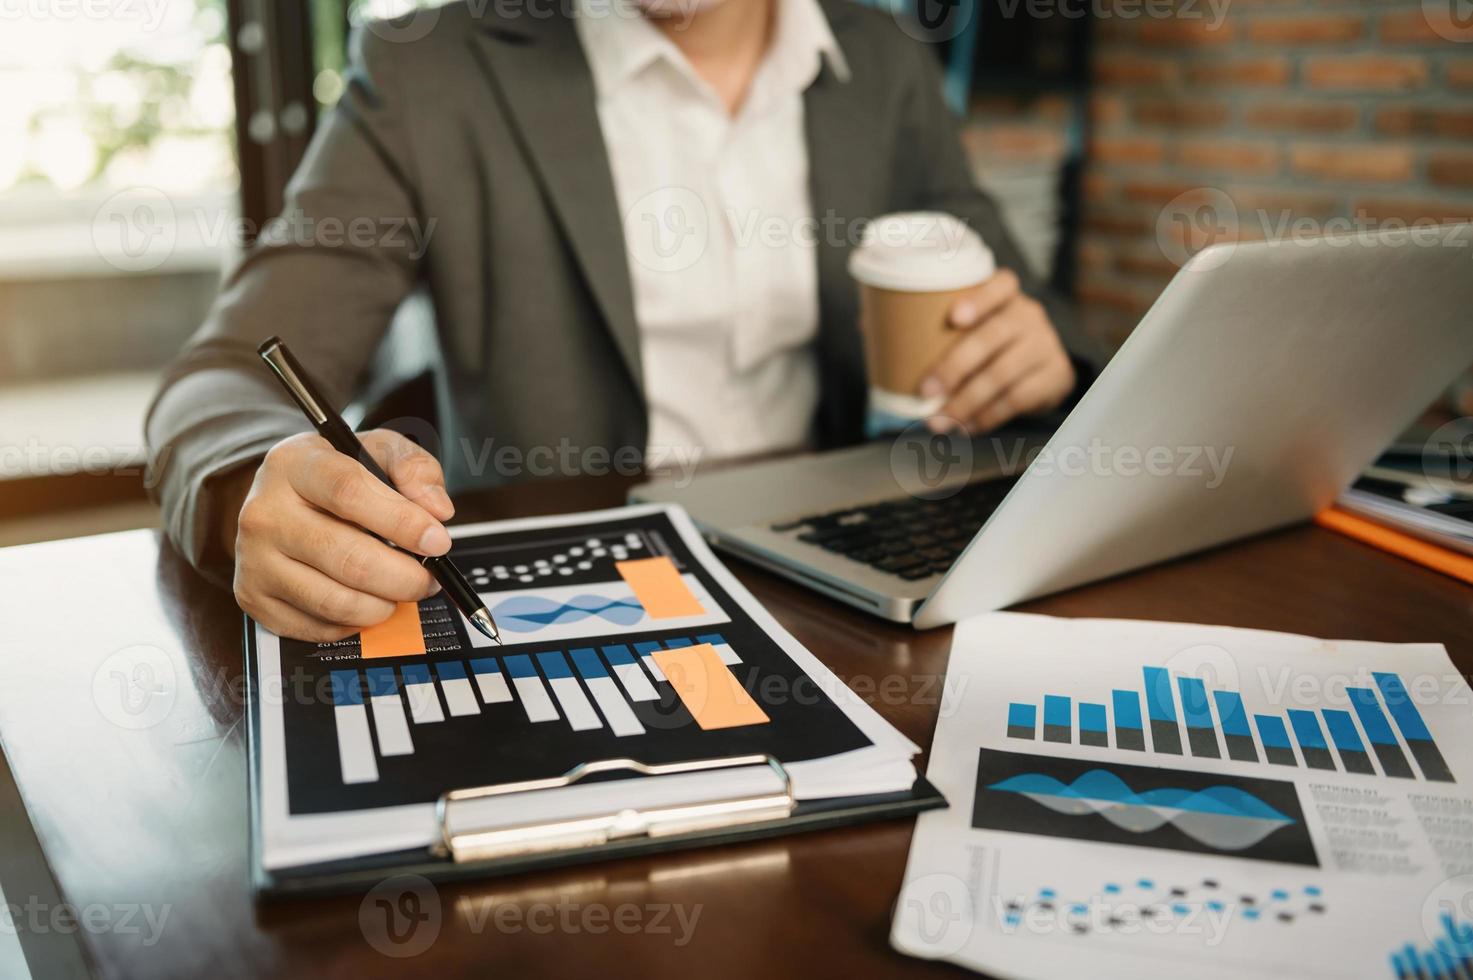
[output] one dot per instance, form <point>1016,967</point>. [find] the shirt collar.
<point>620,43</point>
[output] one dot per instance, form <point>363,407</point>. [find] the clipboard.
<point>470,853</point>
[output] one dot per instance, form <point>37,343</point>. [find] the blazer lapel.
<point>541,78</point>
<point>843,188</point>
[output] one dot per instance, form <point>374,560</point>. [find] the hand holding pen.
<point>311,561</point>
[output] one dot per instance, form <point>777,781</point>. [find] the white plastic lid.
<point>921,252</point>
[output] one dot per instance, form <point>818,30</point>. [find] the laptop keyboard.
<point>908,537</point>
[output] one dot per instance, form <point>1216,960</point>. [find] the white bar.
<point>458,696</point>
<point>393,730</point>
<point>575,703</point>
<point>611,702</point>
<point>727,654</point>
<point>493,687</point>
<point>654,668</point>
<point>424,705</point>
<point>535,700</point>
<point>355,748</point>
<point>632,676</point>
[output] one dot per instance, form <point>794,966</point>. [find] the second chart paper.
<point>1135,799</point>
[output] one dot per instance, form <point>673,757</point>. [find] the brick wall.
<point>1281,116</point>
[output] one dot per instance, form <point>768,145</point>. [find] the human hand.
<point>305,566</point>
<point>1007,360</point>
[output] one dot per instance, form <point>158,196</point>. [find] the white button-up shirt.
<point>718,227</point>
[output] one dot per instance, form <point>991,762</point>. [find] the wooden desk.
<point>153,819</point>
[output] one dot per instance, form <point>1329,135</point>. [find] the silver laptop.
<point>1262,381</point>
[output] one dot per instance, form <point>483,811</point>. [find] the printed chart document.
<point>1135,799</point>
<point>624,638</point>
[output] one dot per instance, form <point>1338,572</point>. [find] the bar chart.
<point>378,710</point>
<point>1380,730</point>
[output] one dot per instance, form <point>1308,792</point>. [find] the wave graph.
<point>1141,806</point>
<point>530,613</point>
<point>1222,817</point>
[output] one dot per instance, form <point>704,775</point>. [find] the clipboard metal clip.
<point>580,832</point>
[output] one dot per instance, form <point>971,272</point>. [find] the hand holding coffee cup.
<point>948,336</point>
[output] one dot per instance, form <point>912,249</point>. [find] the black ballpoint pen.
<point>330,425</point>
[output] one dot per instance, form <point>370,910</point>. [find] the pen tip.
<point>482,621</point>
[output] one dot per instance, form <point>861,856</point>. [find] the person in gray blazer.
<point>632,218</point>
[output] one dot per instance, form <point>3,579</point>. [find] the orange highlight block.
<point>398,636</point>
<point>708,688</point>
<point>659,588</point>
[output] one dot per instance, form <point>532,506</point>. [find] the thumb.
<point>416,474</point>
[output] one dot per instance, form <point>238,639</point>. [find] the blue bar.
<point>451,670</point>
<point>554,664</point>
<point>1230,710</point>
<point>381,681</point>
<point>648,647</point>
<point>679,641</point>
<point>588,663</point>
<point>1408,719</point>
<point>1127,709</point>
<point>345,688</point>
<point>1368,709</point>
<point>1056,711</point>
<point>1342,730</point>
<point>1159,705</point>
<point>520,665</point>
<point>1022,715</point>
<point>1307,729</point>
<point>485,665</point>
<point>618,654</point>
<point>1091,717</point>
<point>1272,731</point>
<point>710,638</point>
<point>1194,704</point>
<point>415,674</point>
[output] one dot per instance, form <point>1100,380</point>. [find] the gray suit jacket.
<point>484,135</point>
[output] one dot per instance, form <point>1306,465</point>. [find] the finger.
<point>1009,367</point>
<point>972,352</point>
<point>1036,392</point>
<point>358,560</point>
<point>284,619</point>
<point>305,588</point>
<point>984,299</point>
<point>415,472</point>
<point>342,487</point>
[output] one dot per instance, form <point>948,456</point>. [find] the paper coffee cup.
<point>911,267</point>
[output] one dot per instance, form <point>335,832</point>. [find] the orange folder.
<point>1403,545</point>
